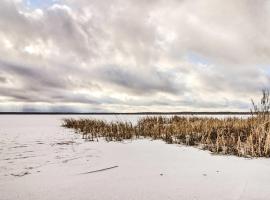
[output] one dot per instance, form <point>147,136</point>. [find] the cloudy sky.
<point>133,55</point>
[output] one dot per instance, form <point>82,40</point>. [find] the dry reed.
<point>249,137</point>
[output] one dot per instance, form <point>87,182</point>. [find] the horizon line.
<point>132,113</point>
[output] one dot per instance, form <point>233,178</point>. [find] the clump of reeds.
<point>236,136</point>
<point>93,129</point>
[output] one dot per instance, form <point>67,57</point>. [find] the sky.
<point>133,55</point>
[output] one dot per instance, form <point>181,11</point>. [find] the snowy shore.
<point>41,160</point>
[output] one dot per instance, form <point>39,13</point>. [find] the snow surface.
<point>41,160</point>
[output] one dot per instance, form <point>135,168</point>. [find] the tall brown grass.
<point>237,136</point>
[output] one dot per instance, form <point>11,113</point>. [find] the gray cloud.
<point>138,82</point>
<point>133,55</point>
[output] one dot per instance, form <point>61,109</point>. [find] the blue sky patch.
<point>40,3</point>
<point>196,58</point>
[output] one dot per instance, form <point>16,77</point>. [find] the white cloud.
<point>133,55</point>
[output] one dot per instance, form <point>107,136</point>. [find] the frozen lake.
<point>41,160</point>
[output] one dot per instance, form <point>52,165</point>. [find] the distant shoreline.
<point>125,113</point>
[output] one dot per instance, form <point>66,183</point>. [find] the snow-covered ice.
<point>41,160</point>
